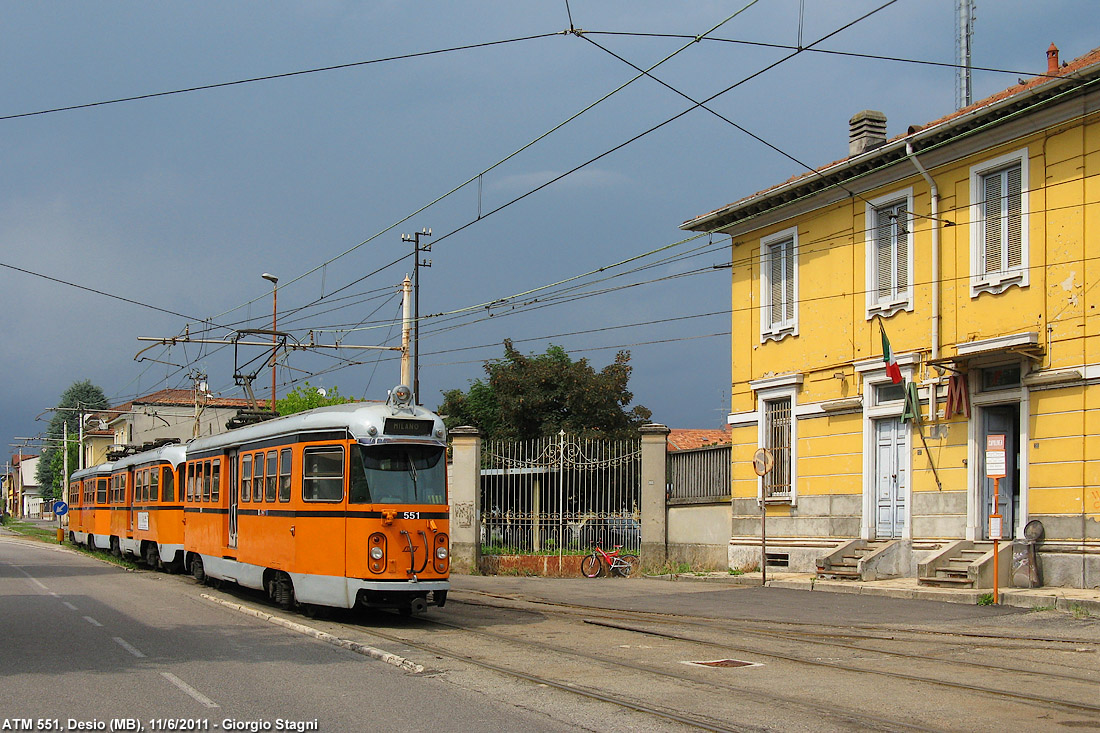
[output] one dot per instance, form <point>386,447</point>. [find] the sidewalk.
<point>1063,599</point>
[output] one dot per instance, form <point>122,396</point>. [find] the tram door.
<point>233,489</point>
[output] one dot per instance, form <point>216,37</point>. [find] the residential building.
<point>966,248</point>
<point>23,496</point>
<point>180,414</point>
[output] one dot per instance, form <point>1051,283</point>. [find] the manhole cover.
<point>724,663</point>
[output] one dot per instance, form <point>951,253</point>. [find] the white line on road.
<point>92,621</point>
<point>203,699</point>
<point>33,579</point>
<point>128,647</point>
<point>70,606</point>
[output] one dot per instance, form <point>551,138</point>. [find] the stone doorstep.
<point>1063,599</point>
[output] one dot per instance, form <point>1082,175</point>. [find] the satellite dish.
<point>322,391</point>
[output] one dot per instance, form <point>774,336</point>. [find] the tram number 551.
<point>410,515</point>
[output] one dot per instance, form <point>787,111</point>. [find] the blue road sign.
<point>60,508</point>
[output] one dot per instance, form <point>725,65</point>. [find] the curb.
<point>1061,599</point>
<point>354,646</point>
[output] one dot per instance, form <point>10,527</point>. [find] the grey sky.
<point>183,201</point>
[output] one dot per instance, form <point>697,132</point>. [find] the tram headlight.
<point>441,553</point>
<point>376,551</point>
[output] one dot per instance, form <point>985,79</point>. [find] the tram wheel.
<point>281,590</point>
<point>198,572</point>
<point>152,555</point>
<point>116,548</point>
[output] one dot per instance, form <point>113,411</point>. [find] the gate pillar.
<point>654,549</point>
<point>465,499</point>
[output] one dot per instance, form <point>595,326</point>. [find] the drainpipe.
<point>935,191</point>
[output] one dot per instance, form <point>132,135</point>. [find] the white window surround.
<point>904,298</point>
<point>785,386</point>
<point>787,325</point>
<point>873,376</point>
<point>997,282</point>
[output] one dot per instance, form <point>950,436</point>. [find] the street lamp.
<point>274,339</point>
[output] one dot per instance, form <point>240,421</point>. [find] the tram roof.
<point>357,418</point>
<point>98,469</point>
<point>174,454</point>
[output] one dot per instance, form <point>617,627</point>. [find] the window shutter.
<point>901,282</point>
<point>1014,215</point>
<point>991,187</point>
<point>788,274</point>
<point>883,255</point>
<point>775,278</point>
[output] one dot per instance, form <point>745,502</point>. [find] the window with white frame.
<point>779,285</point>
<point>777,439</point>
<point>999,224</point>
<point>889,254</point>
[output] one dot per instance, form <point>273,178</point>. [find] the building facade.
<point>966,250</point>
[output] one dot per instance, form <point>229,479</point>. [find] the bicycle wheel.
<point>626,565</point>
<point>591,567</point>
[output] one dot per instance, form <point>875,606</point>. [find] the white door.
<point>891,477</point>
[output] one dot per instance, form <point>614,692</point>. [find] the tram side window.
<point>285,458</point>
<point>258,478</point>
<point>139,486</point>
<point>169,484</point>
<point>153,479</point>
<point>358,488</point>
<point>272,475</point>
<point>206,480</point>
<point>190,482</point>
<point>215,480</point>
<point>246,478</point>
<point>101,491</point>
<point>323,474</point>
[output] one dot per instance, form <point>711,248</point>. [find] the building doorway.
<point>891,474</point>
<point>1004,420</point>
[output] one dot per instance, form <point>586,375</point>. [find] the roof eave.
<point>826,177</point>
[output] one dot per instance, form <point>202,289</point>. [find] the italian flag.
<point>892,369</point>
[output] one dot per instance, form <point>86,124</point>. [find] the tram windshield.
<point>398,474</point>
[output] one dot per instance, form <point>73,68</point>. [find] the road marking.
<point>128,647</point>
<point>70,606</point>
<point>203,699</point>
<point>92,621</point>
<point>33,579</point>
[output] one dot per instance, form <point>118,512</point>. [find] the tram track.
<point>787,635</point>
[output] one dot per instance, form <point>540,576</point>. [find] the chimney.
<point>866,131</point>
<point>1052,59</point>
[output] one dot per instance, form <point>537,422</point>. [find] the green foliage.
<point>985,599</point>
<point>304,397</point>
<point>79,396</point>
<point>532,396</point>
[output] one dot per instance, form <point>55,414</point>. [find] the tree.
<point>532,396</point>
<point>305,397</point>
<point>79,399</point>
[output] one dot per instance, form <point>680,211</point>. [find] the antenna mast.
<point>964,34</point>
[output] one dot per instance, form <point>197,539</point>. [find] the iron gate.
<point>559,494</point>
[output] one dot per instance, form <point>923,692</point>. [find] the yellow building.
<point>965,242</point>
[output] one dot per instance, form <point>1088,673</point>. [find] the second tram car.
<point>339,506</point>
<point>152,523</point>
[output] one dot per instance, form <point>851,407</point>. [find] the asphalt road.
<point>86,643</point>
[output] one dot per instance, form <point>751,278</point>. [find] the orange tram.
<point>340,506</point>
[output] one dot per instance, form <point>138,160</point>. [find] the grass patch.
<point>32,530</point>
<point>1079,611</point>
<point>985,599</point>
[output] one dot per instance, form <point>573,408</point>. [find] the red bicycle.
<point>592,566</point>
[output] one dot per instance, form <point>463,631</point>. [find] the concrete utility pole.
<point>417,264</point>
<point>406,327</point>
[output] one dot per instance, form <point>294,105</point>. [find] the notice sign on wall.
<point>995,456</point>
